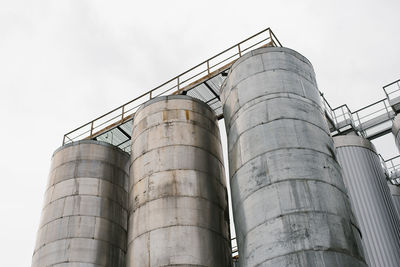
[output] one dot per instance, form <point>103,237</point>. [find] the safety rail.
<point>328,109</point>
<point>342,116</point>
<point>370,121</point>
<point>383,165</point>
<point>392,90</point>
<point>184,81</point>
<point>393,169</point>
<point>373,119</point>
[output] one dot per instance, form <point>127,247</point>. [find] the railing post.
<point>270,37</point>
<point>151,94</point>
<point>360,125</point>
<point>386,93</point>
<point>177,78</point>
<point>387,110</point>
<point>91,128</point>
<point>208,66</point>
<point>63,143</point>
<point>122,113</point>
<point>240,52</point>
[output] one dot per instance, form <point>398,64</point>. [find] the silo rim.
<point>263,50</point>
<point>90,141</point>
<point>353,140</point>
<point>172,97</point>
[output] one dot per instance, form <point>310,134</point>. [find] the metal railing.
<point>328,109</point>
<point>393,169</point>
<point>370,121</point>
<point>184,81</point>
<point>392,90</point>
<point>368,118</point>
<point>343,116</point>
<point>383,165</point>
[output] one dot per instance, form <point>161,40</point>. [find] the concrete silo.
<point>289,201</point>
<point>371,200</point>
<point>178,211</point>
<point>84,219</point>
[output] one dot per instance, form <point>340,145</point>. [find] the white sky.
<point>63,63</point>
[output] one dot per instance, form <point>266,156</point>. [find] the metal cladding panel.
<point>178,210</point>
<point>371,200</point>
<point>395,130</point>
<point>289,201</point>
<point>84,219</point>
<point>395,192</point>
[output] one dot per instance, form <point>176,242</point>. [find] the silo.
<point>289,202</point>
<point>395,130</point>
<point>178,211</point>
<point>371,200</point>
<point>395,192</point>
<point>84,219</point>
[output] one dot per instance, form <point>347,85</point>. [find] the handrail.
<point>387,85</point>
<point>361,120</point>
<point>385,89</point>
<point>370,105</point>
<point>177,84</point>
<point>392,169</point>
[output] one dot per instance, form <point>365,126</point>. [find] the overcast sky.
<point>63,63</point>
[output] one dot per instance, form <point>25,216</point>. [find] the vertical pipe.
<point>178,199</point>
<point>371,200</point>
<point>84,219</point>
<point>289,201</point>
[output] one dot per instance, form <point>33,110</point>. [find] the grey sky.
<point>63,63</point>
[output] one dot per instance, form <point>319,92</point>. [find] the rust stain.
<point>187,114</point>
<point>165,115</point>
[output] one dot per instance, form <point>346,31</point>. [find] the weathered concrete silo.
<point>289,201</point>
<point>395,192</point>
<point>178,199</point>
<point>371,200</point>
<point>84,219</point>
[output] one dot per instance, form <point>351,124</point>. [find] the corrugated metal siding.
<point>373,205</point>
<point>396,202</point>
<point>395,191</point>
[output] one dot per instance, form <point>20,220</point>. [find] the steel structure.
<point>204,81</point>
<point>371,121</point>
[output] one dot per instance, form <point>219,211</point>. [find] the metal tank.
<point>178,210</point>
<point>395,192</point>
<point>84,219</point>
<point>371,200</point>
<point>289,202</point>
